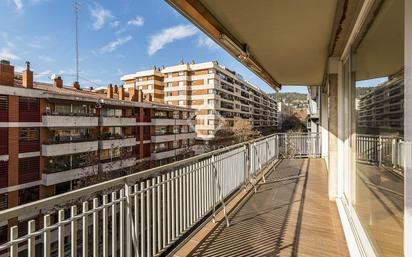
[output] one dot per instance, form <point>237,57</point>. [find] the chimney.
<point>27,77</point>
<point>109,91</point>
<point>133,94</point>
<point>76,85</point>
<point>116,89</point>
<point>58,82</point>
<point>121,93</point>
<point>6,73</point>
<point>140,96</point>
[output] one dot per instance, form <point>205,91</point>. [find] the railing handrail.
<point>128,179</point>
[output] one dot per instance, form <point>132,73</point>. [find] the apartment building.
<point>54,138</point>
<point>380,109</point>
<point>219,95</point>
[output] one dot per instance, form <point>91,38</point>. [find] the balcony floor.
<point>288,218</point>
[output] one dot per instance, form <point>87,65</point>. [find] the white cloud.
<point>6,53</point>
<point>114,24</point>
<point>204,41</point>
<point>45,58</point>
<point>169,35</point>
<point>43,74</point>
<point>100,16</point>
<point>111,46</point>
<point>138,21</point>
<point>19,4</point>
<point>7,41</point>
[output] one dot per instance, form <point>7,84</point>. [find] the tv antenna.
<point>76,11</point>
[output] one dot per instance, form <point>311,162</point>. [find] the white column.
<point>324,121</point>
<point>333,128</point>
<point>408,130</point>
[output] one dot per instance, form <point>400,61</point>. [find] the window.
<point>149,87</point>
<point>180,83</point>
<point>3,201</point>
<point>63,187</point>
<point>140,87</point>
<point>169,94</point>
<point>4,108</point>
<point>29,169</point>
<point>181,102</point>
<point>29,109</point>
<point>140,79</point>
<point>210,132</point>
<point>180,92</point>
<point>175,144</point>
<point>211,71</point>
<point>160,131</point>
<point>169,102</point>
<point>210,81</point>
<point>210,91</point>
<point>160,147</point>
<point>169,84</point>
<point>4,174</point>
<point>210,112</point>
<point>29,140</point>
<point>181,73</point>
<point>169,75</point>
<point>212,122</point>
<point>373,77</point>
<point>28,195</point>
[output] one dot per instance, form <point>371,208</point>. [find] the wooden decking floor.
<point>288,218</point>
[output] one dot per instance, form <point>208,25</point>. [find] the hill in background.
<point>289,97</point>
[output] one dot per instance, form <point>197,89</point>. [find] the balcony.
<point>117,164</point>
<point>117,121</point>
<point>69,148</point>
<point>115,143</point>
<point>280,211</point>
<point>171,122</point>
<point>167,153</point>
<point>69,121</point>
<point>68,175</point>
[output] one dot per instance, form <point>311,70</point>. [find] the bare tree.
<point>243,130</point>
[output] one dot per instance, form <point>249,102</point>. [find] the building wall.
<point>218,94</point>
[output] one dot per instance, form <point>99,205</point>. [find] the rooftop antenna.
<point>76,11</point>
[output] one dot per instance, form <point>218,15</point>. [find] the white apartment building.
<point>220,96</point>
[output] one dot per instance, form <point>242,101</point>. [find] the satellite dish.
<point>54,76</point>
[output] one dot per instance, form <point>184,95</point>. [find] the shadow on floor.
<point>258,226</point>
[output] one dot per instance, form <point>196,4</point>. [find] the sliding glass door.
<point>375,78</point>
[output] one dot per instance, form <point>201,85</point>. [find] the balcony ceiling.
<point>288,40</point>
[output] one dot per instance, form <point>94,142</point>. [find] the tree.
<point>243,130</point>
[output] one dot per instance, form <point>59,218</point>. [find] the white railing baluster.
<point>46,235</point>
<point>148,220</point>
<point>114,225</point>
<point>121,223</point>
<point>154,217</point>
<point>85,230</point>
<point>164,212</point>
<point>159,214</point>
<point>73,232</point>
<point>60,234</point>
<point>142,219</point>
<point>95,228</point>
<point>14,248</point>
<point>31,242</point>
<point>105,223</point>
<point>128,217</point>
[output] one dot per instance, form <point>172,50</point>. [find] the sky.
<point>115,38</point>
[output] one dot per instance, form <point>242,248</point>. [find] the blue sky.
<point>116,38</point>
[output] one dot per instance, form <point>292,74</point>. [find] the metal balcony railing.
<point>146,213</point>
<point>385,151</point>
